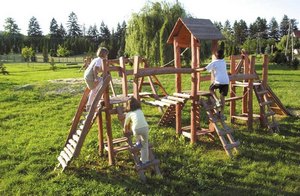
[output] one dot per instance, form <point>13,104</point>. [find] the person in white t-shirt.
<point>91,78</point>
<point>221,79</point>
<point>139,127</point>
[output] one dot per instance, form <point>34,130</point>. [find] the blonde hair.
<point>102,52</point>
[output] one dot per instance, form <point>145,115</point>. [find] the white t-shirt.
<point>137,119</point>
<point>218,68</point>
<point>88,73</point>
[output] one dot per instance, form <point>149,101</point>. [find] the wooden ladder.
<point>125,143</point>
<point>223,131</point>
<point>267,115</point>
<point>81,125</point>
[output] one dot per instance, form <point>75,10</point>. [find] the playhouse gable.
<point>202,29</point>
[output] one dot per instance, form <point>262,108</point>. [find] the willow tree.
<point>148,31</point>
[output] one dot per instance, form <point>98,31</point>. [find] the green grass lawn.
<point>36,110</point>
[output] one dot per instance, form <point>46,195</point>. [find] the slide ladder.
<point>277,105</point>
<point>266,105</point>
<point>81,125</point>
<point>223,131</point>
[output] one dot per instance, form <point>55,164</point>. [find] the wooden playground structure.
<point>187,33</point>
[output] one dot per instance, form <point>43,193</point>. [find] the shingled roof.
<point>202,29</point>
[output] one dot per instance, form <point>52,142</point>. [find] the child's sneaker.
<point>218,104</point>
<point>141,164</point>
<point>138,145</point>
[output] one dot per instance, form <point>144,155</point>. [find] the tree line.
<point>145,34</point>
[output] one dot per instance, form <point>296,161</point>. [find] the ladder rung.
<point>65,156</point>
<point>150,163</point>
<point>71,148</point>
<point>262,92</point>
<point>271,113</point>
<point>62,162</point>
<point>265,103</point>
<point>175,98</point>
<point>118,140</point>
<point>73,143</point>
<point>70,154</point>
<point>233,98</point>
<point>168,101</point>
<point>76,137</point>
<point>78,132</point>
<point>232,145</point>
<point>182,95</point>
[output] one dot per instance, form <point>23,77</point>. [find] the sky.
<point>112,12</point>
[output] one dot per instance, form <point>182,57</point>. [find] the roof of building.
<point>297,33</point>
<point>202,29</point>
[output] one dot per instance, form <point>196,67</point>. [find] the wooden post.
<point>108,118</point>
<point>250,95</point>
<point>194,90</point>
<point>100,134</point>
<point>177,64</point>
<point>124,77</point>
<point>136,63</point>
<point>265,70</point>
<point>214,48</point>
<point>245,89</point>
<point>232,89</point>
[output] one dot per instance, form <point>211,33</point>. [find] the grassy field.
<point>36,109</point>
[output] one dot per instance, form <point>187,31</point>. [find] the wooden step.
<point>72,142</point>
<point>70,154</point>
<point>232,145</point>
<point>75,137</point>
<point>149,164</point>
<point>121,148</point>
<point>183,95</point>
<point>265,103</point>
<point>62,162</point>
<point>65,156</point>
<point>118,140</point>
<point>262,92</point>
<point>71,148</point>
<point>169,101</point>
<point>78,132</point>
<point>233,98</point>
<point>175,98</point>
<point>271,113</point>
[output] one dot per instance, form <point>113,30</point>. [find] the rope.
<point>181,54</point>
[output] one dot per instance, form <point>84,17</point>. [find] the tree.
<point>62,52</point>
<point>105,36</point>
<point>12,36</point>
<point>284,25</point>
<point>10,26</point>
<point>144,31</point>
<point>229,38</point>
<point>34,29</point>
<point>74,29</point>
<point>27,53</point>
<point>54,28</point>
<point>273,29</point>
<point>240,31</point>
